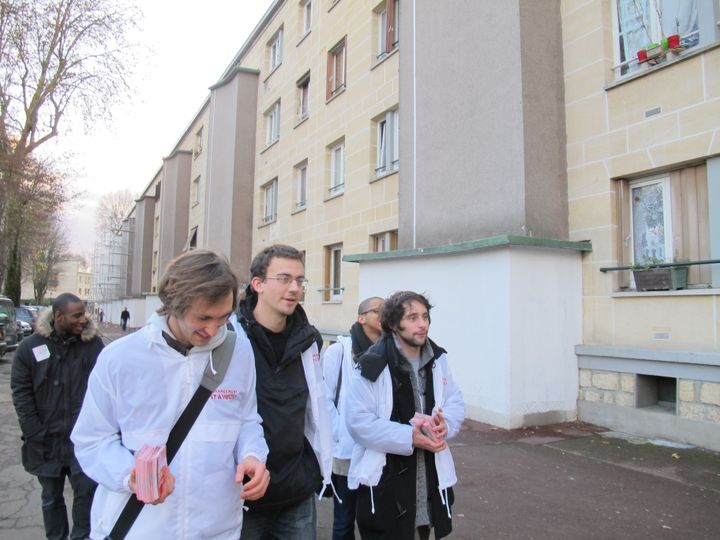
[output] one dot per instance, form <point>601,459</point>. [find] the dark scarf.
<point>360,341</point>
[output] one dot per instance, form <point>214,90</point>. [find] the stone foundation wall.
<point>696,400</point>
<point>607,387</point>
<point>699,400</point>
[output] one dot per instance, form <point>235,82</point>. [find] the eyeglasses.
<point>285,280</point>
<point>375,311</point>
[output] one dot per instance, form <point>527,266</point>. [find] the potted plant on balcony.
<point>649,276</point>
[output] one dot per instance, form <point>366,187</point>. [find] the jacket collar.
<point>46,328</point>
<point>385,352</point>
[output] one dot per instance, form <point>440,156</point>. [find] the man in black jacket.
<point>48,381</point>
<point>290,390</point>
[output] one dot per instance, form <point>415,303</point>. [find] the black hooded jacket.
<point>282,399</point>
<point>48,381</point>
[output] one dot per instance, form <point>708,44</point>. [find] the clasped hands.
<point>432,442</point>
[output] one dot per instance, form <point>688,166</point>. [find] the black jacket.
<point>48,382</point>
<point>282,398</point>
<point>395,494</point>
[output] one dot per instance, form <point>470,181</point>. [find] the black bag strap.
<point>339,381</point>
<point>212,377</point>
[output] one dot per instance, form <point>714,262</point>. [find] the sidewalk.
<point>566,481</point>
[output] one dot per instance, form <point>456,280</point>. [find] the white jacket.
<point>317,414</point>
<point>339,356</point>
<point>136,392</point>
<point>369,407</point>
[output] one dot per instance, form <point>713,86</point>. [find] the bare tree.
<point>58,58</point>
<point>45,256</point>
<point>39,190</point>
<point>112,210</point>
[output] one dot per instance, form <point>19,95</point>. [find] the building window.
<point>196,191</point>
<point>272,121</point>
<point>387,18</point>
<point>388,143</point>
<point>301,187</point>
<point>666,218</point>
<point>336,69</point>
<point>192,239</point>
<point>639,23</point>
<point>155,262</point>
<point>306,6</point>
<point>197,149</point>
<point>275,50</point>
<point>156,226</point>
<point>270,201</point>
<point>303,94</point>
<point>337,169</point>
<point>385,241</point>
<point>333,273</point>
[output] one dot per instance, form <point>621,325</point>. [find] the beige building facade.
<point>643,157</point>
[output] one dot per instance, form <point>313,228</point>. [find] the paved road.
<point>566,481</point>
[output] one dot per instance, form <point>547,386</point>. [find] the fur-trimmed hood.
<point>44,326</point>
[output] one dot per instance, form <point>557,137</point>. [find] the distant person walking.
<point>124,316</point>
<point>49,379</point>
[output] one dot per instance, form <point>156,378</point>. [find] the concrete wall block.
<point>585,377</point>
<point>591,395</point>
<point>627,382</point>
<point>692,411</point>
<point>606,380</point>
<point>625,399</point>
<point>710,393</point>
<point>697,411</point>
<point>686,390</point>
<point>608,397</point>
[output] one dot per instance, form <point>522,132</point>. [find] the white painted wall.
<point>509,318</point>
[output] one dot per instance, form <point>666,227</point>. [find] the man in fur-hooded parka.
<point>49,378</point>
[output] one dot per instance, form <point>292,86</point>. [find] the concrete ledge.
<point>701,366</point>
<point>651,424</point>
<point>473,245</point>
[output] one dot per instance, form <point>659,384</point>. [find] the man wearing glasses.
<point>401,461</point>
<point>290,397</point>
<point>338,363</point>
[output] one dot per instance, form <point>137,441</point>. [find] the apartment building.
<point>643,157</point>
<point>495,155</point>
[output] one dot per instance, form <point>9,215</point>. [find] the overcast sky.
<point>190,45</point>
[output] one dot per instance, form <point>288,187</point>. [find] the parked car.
<point>24,313</point>
<point>24,328</point>
<point>8,322</point>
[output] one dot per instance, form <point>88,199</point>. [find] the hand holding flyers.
<point>426,433</point>
<point>151,479</point>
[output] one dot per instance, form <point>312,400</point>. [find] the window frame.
<point>303,86</point>
<point>337,170</point>
<point>389,240</point>
<point>388,14</point>
<point>653,29</point>
<point>689,217</point>
<point>275,53</point>
<point>301,185</point>
<point>335,54</point>
<point>270,201</point>
<point>387,155</point>
<point>333,273</point>
<point>272,116</point>
<point>196,190</point>
<point>664,182</point>
<point>307,16</point>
